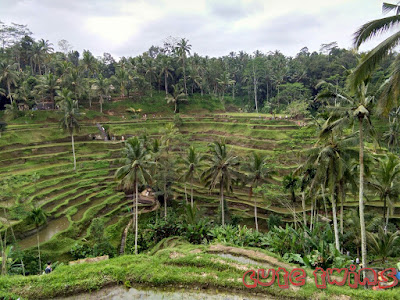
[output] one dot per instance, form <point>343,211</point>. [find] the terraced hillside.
<point>36,164</point>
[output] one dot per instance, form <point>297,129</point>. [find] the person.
<point>398,271</point>
<point>357,261</point>
<point>48,268</point>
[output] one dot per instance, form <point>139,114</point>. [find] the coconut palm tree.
<point>69,121</point>
<point>9,75</point>
<point>383,244</point>
<point>135,170</point>
<point>192,164</point>
<point>177,97</point>
<point>256,172</point>
<point>224,81</point>
<point>291,184</point>
<point>182,50</point>
<point>48,85</point>
<point>102,88</point>
<point>89,63</point>
<point>166,69</point>
<point>38,217</point>
<point>385,181</point>
<point>358,111</point>
<point>374,57</point>
<point>221,172</point>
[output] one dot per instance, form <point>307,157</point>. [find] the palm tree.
<point>9,75</point>
<point>102,88</point>
<point>69,121</point>
<point>385,182</point>
<point>222,171</point>
<point>177,97</point>
<point>89,63</point>
<point>224,82</point>
<point>49,85</point>
<point>257,172</point>
<point>166,69</point>
<point>373,58</point>
<point>383,244</point>
<point>359,110</point>
<point>38,217</point>
<point>151,70</point>
<point>183,48</point>
<point>135,170</point>
<point>165,176</point>
<point>192,164</point>
<point>290,184</point>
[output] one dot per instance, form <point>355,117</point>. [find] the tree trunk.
<point>191,192</point>
<point>384,208</point>
<point>186,198</point>
<point>184,76</point>
<point>323,199</point>
<point>73,150</point>
<point>233,91</point>
<point>343,195</point>
<point>222,202</point>
<point>136,215</point>
<point>165,201</point>
<point>312,214</point>
<point>303,204</point>
<point>3,255</point>
<point>166,84</point>
<point>101,104</point>
<point>335,227</point>
<point>9,91</point>
<point>255,207</point>
<point>38,246</point>
<point>361,199</point>
<point>255,88</point>
<point>176,107</point>
<point>387,219</point>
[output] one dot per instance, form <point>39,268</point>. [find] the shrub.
<point>79,251</point>
<point>104,248</point>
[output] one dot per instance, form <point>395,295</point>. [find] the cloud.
<point>214,28</point>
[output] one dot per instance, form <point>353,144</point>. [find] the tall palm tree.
<point>386,182</point>
<point>89,63</point>
<point>374,57</point>
<point>257,172</point>
<point>166,69</point>
<point>177,97</point>
<point>102,88</point>
<point>358,110</point>
<point>291,184</point>
<point>9,75</point>
<point>192,164</point>
<point>183,49</point>
<point>49,85</point>
<point>135,170</point>
<point>224,81</point>
<point>38,217</point>
<point>69,121</point>
<point>222,171</point>
<point>151,71</point>
<point>383,243</point>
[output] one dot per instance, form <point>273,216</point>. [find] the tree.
<point>9,75</point>
<point>177,97</point>
<point>3,127</point>
<point>69,121</point>
<point>165,176</point>
<point>191,166</point>
<point>135,170</point>
<point>221,172</point>
<point>166,69</point>
<point>383,244</point>
<point>102,88</point>
<point>375,57</point>
<point>385,182</point>
<point>224,82</point>
<point>257,172</point>
<point>38,216</point>
<point>182,49</point>
<point>49,85</point>
<point>291,184</point>
<point>358,110</point>
<point>89,63</point>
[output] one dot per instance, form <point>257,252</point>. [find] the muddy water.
<point>121,293</point>
<point>52,228</point>
<point>241,259</point>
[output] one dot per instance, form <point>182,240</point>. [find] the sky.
<point>213,27</point>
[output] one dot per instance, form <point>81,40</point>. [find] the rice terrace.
<point>168,173</point>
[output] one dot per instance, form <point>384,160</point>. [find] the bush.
<point>79,251</point>
<point>104,248</point>
<point>197,233</point>
<point>274,220</point>
<point>96,230</point>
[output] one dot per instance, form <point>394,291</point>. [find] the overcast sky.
<point>213,27</point>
